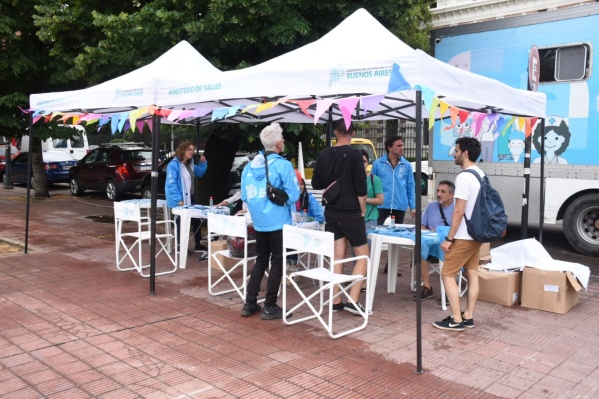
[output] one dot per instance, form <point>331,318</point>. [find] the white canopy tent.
<point>359,69</point>
<point>138,88</point>
<point>355,59</point>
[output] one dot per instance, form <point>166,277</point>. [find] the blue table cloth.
<point>430,241</point>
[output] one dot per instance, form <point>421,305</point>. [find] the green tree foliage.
<point>80,43</point>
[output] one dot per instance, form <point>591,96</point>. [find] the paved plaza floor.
<point>72,326</point>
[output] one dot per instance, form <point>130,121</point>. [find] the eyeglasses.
<point>365,161</point>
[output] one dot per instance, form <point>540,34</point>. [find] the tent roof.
<point>354,59</point>
<point>132,90</point>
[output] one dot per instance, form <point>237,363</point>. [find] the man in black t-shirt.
<point>345,216</point>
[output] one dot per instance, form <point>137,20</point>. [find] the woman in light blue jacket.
<point>180,185</point>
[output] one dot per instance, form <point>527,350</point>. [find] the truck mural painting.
<point>499,49</point>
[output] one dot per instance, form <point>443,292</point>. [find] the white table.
<point>186,213</point>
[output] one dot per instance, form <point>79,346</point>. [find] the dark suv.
<point>112,168</point>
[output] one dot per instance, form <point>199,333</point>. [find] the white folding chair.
<point>320,243</point>
<point>436,268</point>
<point>234,226</point>
<point>128,241</point>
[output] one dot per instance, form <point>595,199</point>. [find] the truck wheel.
<point>146,193</point>
<point>581,224</point>
<point>112,191</point>
<point>75,187</point>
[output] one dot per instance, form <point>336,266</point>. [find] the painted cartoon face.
<point>553,141</point>
<point>516,146</point>
<point>462,129</point>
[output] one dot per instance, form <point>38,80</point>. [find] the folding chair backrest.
<point>307,240</point>
<point>130,212</point>
<point>234,226</point>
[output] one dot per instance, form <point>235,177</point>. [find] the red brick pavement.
<point>72,326</point>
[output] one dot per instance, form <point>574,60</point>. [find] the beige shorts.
<point>462,253</point>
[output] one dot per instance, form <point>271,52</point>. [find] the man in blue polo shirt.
<point>436,214</point>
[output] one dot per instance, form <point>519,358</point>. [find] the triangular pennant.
<point>397,81</point>
<point>304,104</point>
<point>133,115</point>
<point>219,113</point>
<point>322,106</point>
<point>427,96</point>
<point>123,117</point>
<point>443,107</point>
<point>463,115</point>
<point>92,121</point>
<point>370,102</point>
<point>76,120</point>
<point>265,106</point>
<point>233,111</point>
<point>174,115</point>
<point>347,107</point>
<point>248,108</point>
<point>200,112</point>
<point>114,123</point>
<point>150,123</point>
<point>527,127</point>
<point>36,118</point>
<point>453,115</point>
<point>104,119</point>
<point>185,114</point>
<point>431,112</point>
<point>140,125</point>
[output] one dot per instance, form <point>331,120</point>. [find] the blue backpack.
<point>488,221</point>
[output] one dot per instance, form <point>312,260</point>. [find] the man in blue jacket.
<point>268,219</point>
<point>397,178</point>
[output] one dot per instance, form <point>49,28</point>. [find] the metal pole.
<point>417,247</point>
<point>526,190</point>
<point>31,138</point>
<point>153,202</point>
<point>330,127</point>
<point>542,182</point>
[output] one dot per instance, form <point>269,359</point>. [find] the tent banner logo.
<point>194,89</point>
<point>338,73</point>
<point>49,102</point>
<point>124,94</point>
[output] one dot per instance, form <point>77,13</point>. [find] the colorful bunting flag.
<point>347,107</point>
<point>397,82</point>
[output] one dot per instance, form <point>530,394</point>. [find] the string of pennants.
<point>448,114</point>
<point>123,121</point>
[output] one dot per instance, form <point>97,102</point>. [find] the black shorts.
<point>350,226</point>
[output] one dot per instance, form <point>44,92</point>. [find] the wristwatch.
<point>450,239</point>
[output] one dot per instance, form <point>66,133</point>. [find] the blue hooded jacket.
<point>173,187</point>
<point>266,215</point>
<point>398,184</point>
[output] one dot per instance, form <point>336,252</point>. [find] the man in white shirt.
<point>461,250</point>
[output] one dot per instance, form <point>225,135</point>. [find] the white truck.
<point>500,48</point>
<point>78,146</point>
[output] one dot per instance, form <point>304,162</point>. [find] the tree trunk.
<point>220,154</point>
<point>37,165</point>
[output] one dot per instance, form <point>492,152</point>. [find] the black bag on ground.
<point>488,221</point>
<point>275,195</point>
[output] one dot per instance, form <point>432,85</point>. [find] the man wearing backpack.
<point>461,250</point>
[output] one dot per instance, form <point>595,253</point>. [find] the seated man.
<point>436,214</point>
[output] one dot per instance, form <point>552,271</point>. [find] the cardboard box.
<point>502,288</point>
<point>227,262</point>
<point>551,291</point>
<point>485,252</point>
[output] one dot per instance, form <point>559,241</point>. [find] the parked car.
<point>112,168</point>
<point>56,167</point>
<point>14,151</point>
<point>233,184</point>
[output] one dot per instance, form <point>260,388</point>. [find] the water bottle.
<point>392,224</point>
<point>211,203</point>
<point>305,215</point>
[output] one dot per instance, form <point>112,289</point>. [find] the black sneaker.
<point>448,324</point>
<point>203,256</point>
<point>200,247</point>
<point>272,313</point>
<point>468,323</point>
<point>354,309</point>
<point>425,293</point>
<point>250,309</point>
<point>338,306</point>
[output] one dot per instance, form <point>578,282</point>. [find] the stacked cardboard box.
<point>227,262</point>
<point>547,290</point>
<point>502,288</point>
